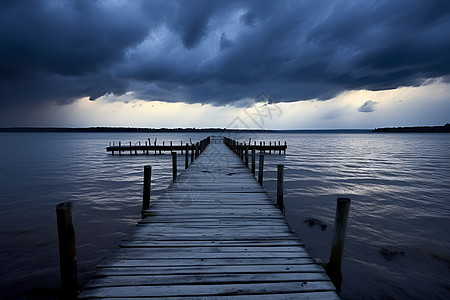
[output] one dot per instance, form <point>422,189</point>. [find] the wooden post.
<point>241,152</point>
<point>170,146</point>
<point>67,250</point>
<point>174,166</point>
<point>120,152</point>
<point>280,203</point>
<point>246,154</point>
<point>333,267</point>
<point>130,149</point>
<point>253,160</point>
<point>192,153</point>
<point>264,147</point>
<point>279,144</point>
<point>186,161</point>
<point>270,147</point>
<point>261,169</point>
<point>155,145</point>
<point>149,144</point>
<point>147,185</point>
<point>196,150</point>
<point>160,149</point>
<point>285,145</point>
<point>181,144</point>
<point>260,145</point>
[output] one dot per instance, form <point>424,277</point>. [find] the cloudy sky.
<point>274,64</point>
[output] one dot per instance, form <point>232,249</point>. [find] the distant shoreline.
<point>445,128</point>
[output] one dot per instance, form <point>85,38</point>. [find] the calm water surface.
<point>399,185</point>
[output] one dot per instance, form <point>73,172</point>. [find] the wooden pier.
<point>214,233</point>
<point>149,147</point>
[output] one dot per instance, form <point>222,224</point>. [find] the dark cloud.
<point>218,51</point>
<point>368,106</point>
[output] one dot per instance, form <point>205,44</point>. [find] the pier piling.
<point>146,190</point>
<point>246,155</point>
<point>261,169</point>
<point>186,161</point>
<point>280,201</point>
<point>253,161</point>
<point>174,166</point>
<point>333,267</point>
<point>67,251</point>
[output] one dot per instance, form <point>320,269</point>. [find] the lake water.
<point>399,185</point>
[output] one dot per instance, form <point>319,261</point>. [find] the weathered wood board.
<point>214,233</point>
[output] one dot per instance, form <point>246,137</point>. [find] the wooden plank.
<point>203,278</point>
<point>229,243</point>
<point>151,262</point>
<point>209,290</point>
<point>205,226</point>
<point>159,255</point>
<point>160,217</point>
<point>213,222</point>
<point>285,296</point>
<point>213,237</point>
<point>210,249</point>
<point>184,270</point>
<point>216,229</point>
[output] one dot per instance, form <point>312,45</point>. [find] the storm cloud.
<point>217,52</point>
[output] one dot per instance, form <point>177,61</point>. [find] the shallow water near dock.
<point>398,242</point>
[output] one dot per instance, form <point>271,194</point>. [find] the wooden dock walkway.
<point>214,233</point>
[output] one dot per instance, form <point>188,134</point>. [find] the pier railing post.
<point>196,150</point>
<point>333,267</point>
<point>253,160</point>
<point>186,161</point>
<point>261,169</point>
<point>67,251</point>
<point>280,202</point>
<point>246,155</point>
<point>146,190</point>
<point>174,166</point>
